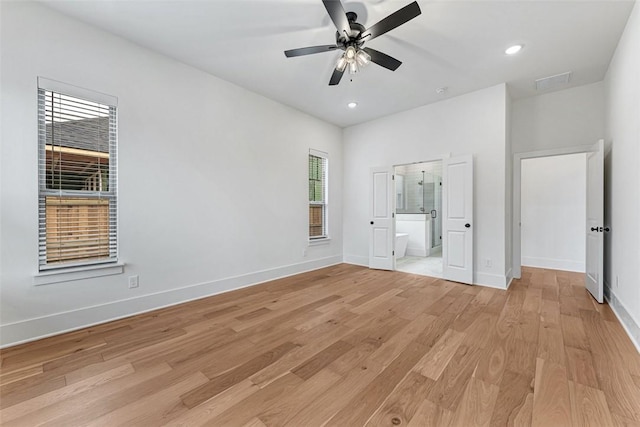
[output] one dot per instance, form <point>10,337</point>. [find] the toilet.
<point>401,244</point>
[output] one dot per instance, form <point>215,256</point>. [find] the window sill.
<point>322,241</point>
<point>77,273</point>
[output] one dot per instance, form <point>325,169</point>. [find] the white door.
<point>381,234</point>
<point>457,219</point>
<point>595,221</point>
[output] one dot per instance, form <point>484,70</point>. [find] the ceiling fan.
<point>351,36</point>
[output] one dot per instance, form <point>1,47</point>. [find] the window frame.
<point>325,203</point>
<point>77,268</point>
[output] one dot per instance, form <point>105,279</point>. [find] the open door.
<point>457,219</point>
<point>381,234</point>
<point>595,221</point>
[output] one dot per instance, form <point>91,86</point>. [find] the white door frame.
<point>516,249</point>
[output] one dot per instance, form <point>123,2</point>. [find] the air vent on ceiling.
<point>553,81</point>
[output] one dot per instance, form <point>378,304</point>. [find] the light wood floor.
<point>342,346</point>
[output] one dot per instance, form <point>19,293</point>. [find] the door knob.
<point>467,225</point>
<point>594,228</point>
<point>371,222</point>
<point>606,229</point>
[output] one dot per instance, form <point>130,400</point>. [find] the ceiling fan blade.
<point>383,59</point>
<point>335,77</point>
<point>309,50</point>
<point>338,16</point>
<point>392,21</point>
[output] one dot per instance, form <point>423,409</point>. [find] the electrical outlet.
<point>304,252</point>
<point>133,282</point>
<point>488,263</point>
<point>617,284</point>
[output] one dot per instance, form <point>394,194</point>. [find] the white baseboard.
<point>58,323</point>
<point>509,278</point>
<point>415,251</point>
<point>356,260</point>
<point>491,280</point>
<point>627,321</point>
<point>554,264</point>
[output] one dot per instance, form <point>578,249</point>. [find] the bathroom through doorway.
<point>418,218</point>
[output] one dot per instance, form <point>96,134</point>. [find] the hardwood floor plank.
<point>364,404</point>
<point>477,404</point>
<point>243,411</point>
<point>58,395</point>
<point>573,333</point>
<point>223,381</point>
<point>401,405</point>
<point>432,364</point>
<point>589,406</point>
<point>551,401</point>
<point>449,388</point>
<point>430,414</point>
<point>580,367</point>
<point>312,366</point>
<point>283,410</point>
<point>168,398</point>
<point>205,412</point>
<point>493,361</point>
<point>513,395</point>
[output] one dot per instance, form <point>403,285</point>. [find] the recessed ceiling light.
<point>352,104</point>
<point>513,49</point>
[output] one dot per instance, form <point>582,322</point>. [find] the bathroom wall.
<point>419,196</point>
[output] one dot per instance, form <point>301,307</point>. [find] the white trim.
<point>362,261</point>
<point>490,280</point>
<point>319,241</point>
<point>318,153</point>
<point>629,324</point>
<point>509,278</point>
<point>77,91</point>
<point>47,277</point>
<point>516,236</point>
<point>58,323</point>
<point>553,264</point>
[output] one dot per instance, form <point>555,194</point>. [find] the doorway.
<point>553,212</point>
<point>593,212</point>
<point>418,218</point>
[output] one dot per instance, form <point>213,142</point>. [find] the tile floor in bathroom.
<point>425,266</point>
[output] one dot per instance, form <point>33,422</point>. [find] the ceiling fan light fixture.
<point>512,50</point>
<point>341,65</point>
<point>363,58</point>
<point>350,53</point>
<point>353,67</point>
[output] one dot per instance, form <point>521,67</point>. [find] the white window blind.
<point>317,195</point>
<point>77,204</point>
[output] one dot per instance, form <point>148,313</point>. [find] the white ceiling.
<point>457,44</point>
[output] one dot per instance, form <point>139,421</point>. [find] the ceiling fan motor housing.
<point>356,29</point>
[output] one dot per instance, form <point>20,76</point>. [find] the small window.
<point>317,195</point>
<point>77,180</point>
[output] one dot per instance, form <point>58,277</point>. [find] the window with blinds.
<point>317,196</point>
<point>77,181</point>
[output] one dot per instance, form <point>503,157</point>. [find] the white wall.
<point>212,187</point>
<point>469,124</point>
<point>553,212</point>
<point>622,178</point>
<point>566,118</point>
